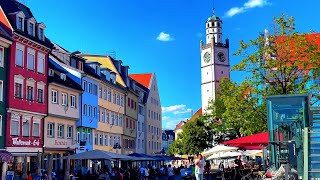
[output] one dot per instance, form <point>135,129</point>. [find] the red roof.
<point>143,79</point>
<point>254,141</point>
<point>180,125</point>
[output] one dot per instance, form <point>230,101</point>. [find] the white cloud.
<point>164,37</point>
<point>235,10</point>
<point>172,115</point>
<point>173,108</point>
<point>247,5</point>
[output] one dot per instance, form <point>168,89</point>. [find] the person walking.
<point>238,166</point>
<point>200,163</point>
<point>170,173</point>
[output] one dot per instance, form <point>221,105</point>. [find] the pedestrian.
<point>29,176</point>
<point>146,173</point>
<point>170,173</point>
<point>238,166</point>
<point>142,172</point>
<point>182,171</point>
<point>199,163</point>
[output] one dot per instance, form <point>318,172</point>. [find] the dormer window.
<point>20,20</point>
<point>31,29</point>
<point>80,65</point>
<point>20,23</point>
<point>40,28</point>
<point>41,35</point>
<point>63,76</point>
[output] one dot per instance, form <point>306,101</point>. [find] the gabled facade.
<point>168,136</point>
<point>153,117</point>
<point>63,113</point>
<point>26,81</point>
<point>111,102</point>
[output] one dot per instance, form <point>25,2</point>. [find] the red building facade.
<point>26,82</point>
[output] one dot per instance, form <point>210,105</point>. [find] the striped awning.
<point>5,156</point>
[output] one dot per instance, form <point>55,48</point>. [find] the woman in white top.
<point>146,173</point>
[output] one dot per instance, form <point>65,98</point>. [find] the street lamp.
<point>116,147</point>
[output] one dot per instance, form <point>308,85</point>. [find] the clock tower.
<point>214,60</point>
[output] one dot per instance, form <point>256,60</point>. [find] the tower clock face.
<point>207,57</point>
<point>221,57</point>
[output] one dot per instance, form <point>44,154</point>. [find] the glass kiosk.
<point>288,120</point>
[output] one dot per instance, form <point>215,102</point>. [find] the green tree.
<point>236,111</point>
<point>194,138</point>
<point>282,61</point>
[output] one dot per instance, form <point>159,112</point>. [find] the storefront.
<point>24,137</point>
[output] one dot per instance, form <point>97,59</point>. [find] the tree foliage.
<point>194,138</point>
<point>282,61</point>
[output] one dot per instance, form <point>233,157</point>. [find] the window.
<point>94,112</point>
<point>106,140</point>
<point>26,127</point>
<point>40,66</point>
<point>101,139</point>
<point>40,96</point>
<point>89,111</point>
<point>149,113</point>
<point>89,136</point>
<point>63,76</point>
<point>114,97</point>
<point>135,105</point>
<point>149,130</point>
<point>15,125</point>
<point>107,116</point>
<point>50,130</point>
<point>64,97</point>
<point>36,129</point>
<point>100,92</point>
<point>130,124</point>
<point>112,118</point>
<point>70,132</point>
<point>54,96</point>
<point>105,94</point>
<point>20,23</point>
<point>120,120</point>
<point>29,93</point>
<point>114,140</point>
<point>18,90</point>
<point>142,144</point>
<point>84,134</point>
<point>142,127</point>
<point>61,131</point>
<point>116,119</point>
<point>30,60</point>
<point>111,140</point>
<point>78,135</point>
<point>102,115</point>
<point>1,56</point>
<point>122,101</point>
<point>84,85</point>
<point>139,128</point>
<point>96,139</point>
<point>41,34</point>
<point>109,95</point>
<point>128,101</point>
<point>19,55</point>
<point>90,88</point>
<point>95,89</point>
<point>73,101</point>
<point>51,72</point>
<point>118,99</point>
<point>31,29</point>
<point>84,111</point>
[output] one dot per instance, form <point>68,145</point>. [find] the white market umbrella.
<point>219,149</point>
<point>224,155</point>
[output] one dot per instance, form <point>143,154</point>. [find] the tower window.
<point>218,24</point>
<point>221,72</point>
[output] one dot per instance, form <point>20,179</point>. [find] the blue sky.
<point>162,36</point>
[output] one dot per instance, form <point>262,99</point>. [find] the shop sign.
<point>20,142</point>
<point>60,143</point>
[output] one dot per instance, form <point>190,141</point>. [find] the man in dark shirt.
<point>238,166</point>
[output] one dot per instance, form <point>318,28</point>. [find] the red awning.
<point>255,141</point>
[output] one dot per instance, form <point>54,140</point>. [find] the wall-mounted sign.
<point>19,142</point>
<point>60,143</point>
